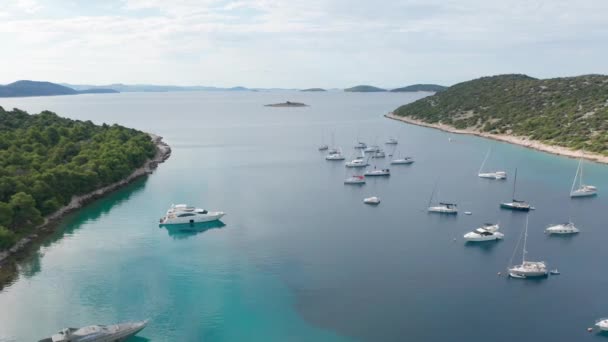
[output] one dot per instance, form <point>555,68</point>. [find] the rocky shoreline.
<point>521,141</point>
<point>163,152</point>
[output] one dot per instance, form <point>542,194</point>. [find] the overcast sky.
<point>293,43</point>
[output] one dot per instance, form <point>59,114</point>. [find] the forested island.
<point>569,112</point>
<point>46,161</point>
<point>420,87</point>
<point>364,89</point>
<point>35,88</point>
<point>313,89</point>
<point>287,104</point>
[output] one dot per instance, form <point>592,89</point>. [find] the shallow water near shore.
<point>300,257</point>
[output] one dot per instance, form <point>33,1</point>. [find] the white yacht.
<point>582,190</point>
<point>360,145</point>
<point>355,180</point>
<point>98,333</point>
<point>392,141</point>
<point>443,208</point>
<point>182,213</point>
<point>527,269</point>
<point>337,155</point>
<point>493,174</point>
<point>602,324</point>
<point>402,161</point>
<point>562,228</point>
<point>378,154</point>
<point>377,172</point>
<point>371,200</point>
<point>488,232</point>
<point>371,149</point>
<point>357,162</point>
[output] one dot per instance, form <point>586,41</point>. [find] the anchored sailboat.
<point>490,175</point>
<point>441,207</point>
<point>516,204</point>
<point>582,190</point>
<point>527,269</point>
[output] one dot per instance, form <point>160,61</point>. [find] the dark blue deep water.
<point>300,257</point>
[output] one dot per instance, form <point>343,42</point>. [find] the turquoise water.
<point>300,258</point>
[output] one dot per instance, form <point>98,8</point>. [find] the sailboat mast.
<point>523,256</point>
<point>580,179</point>
<point>514,183</point>
<point>575,176</point>
<point>484,160</point>
<point>433,193</point>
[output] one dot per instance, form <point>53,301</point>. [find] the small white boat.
<point>444,208</point>
<point>528,269</point>
<point>555,271</point>
<point>355,180</point>
<point>562,228</point>
<point>488,232</point>
<point>359,161</point>
<point>360,145</point>
<point>468,213</point>
<point>372,200</point>
<point>371,149</point>
<point>182,213</point>
<point>391,141</point>
<point>602,324</point>
<point>377,172</point>
<point>335,156</point>
<point>402,161</point>
<point>490,175</point>
<point>582,190</point>
<point>323,148</point>
<point>379,154</point>
<point>98,333</point>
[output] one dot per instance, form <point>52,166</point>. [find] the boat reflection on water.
<point>186,230</point>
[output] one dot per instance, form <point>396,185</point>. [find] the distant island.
<point>560,115</point>
<point>420,87</point>
<point>364,89</point>
<point>35,88</point>
<point>313,89</point>
<point>287,104</point>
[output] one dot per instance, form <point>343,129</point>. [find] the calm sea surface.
<point>300,257</point>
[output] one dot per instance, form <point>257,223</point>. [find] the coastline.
<point>515,140</point>
<point>163,152</point>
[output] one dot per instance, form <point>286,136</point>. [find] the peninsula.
<point>566,116</point>
<point>420,87</point>
<point>35,88</point>
<point>364,89</point>
<point>287,104</point>
<point>313,89</point>
<point>52,165</point>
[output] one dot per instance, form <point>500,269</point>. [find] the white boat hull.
<point>602,324</point>
<point>473,237</point>
<point>402,161</point>
<point>562,229</point>
<point>583,193</point>
<point>371,200</point>
<point>529,269</point>
<point>498,175</point>
<point>210,216</point>
<point>442,210</point>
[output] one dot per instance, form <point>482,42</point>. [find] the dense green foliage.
<point>570,112</point>
<point>364,89</point>
<point>420,87</point>
<point>45,160</point>
<point>35,88</point>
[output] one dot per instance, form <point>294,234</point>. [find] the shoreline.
<point>515,140</point>
<point>20,249</point>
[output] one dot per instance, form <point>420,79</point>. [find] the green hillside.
<point>420,87</point>
<point>569,111</point>
<point>35,88</point>
<point>364,89</point>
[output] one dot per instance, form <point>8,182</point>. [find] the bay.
<point>300,257</point>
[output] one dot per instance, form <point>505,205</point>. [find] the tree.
<point>6,214</point>
<point>7,238</point>
<point>24,210</point>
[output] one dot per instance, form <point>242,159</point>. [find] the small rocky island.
<point>313,89</point>
<point>287,104</point>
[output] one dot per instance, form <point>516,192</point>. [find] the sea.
<point>299,256</point>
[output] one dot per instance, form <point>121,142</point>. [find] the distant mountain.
<point>420,87</point>
<point>364,89</point>
<point>124,88</point>
<point>313,89</point>
<point>35,88</point>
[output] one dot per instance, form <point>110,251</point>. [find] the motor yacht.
<point>602,324</point>
<point>98,333</point>
<point>182,213</point>
<point>372,200</point>
<point>488,232</point>
<point>355,180</point>
<point>562,228</point>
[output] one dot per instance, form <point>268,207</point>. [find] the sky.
<point>298,44</point>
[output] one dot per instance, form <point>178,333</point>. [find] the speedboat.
<point>98,333</point>
<point>335,156</point>
<point>584,191</point>
<point>402,161</point>
<point>562,228</point>
<point>355,180</point>
<point>182,213</point>
<point>602,324</point>
<point>379,154</point>
<point>493,175</point>
<point>444,208</point>
<point>360,145</point>
<point>323,148</point>
<point>391,141</point>
<point>372,200</point>
<point>489,232</point>
<point>377,172</point>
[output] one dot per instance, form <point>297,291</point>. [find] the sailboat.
<point>490,175</point>
<point>359,161</point>
<point>441,207</point>
<point>323,146</point>
<point>527,269</point>
<point>582,190</point>
<point>515,204</point>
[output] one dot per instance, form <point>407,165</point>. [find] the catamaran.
<point>527,269</point>
<point>490,175</point>
<point>489,232</point>
<point>441,207</point>
<point>583,190</point>
<point>517,205</point>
